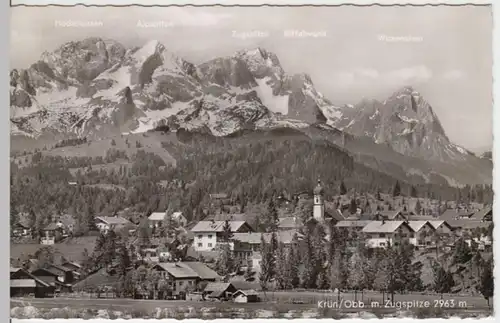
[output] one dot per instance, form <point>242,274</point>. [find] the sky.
<point>350,53</point>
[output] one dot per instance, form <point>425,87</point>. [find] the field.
<point>71,249</point>
<point>279,304</point>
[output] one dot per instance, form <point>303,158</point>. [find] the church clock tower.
<point>319,204</point>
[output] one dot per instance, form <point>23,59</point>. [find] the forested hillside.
<point>249,167</point>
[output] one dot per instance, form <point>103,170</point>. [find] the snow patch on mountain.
<point>275,103</point>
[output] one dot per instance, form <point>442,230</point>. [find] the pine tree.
<point>396,191</point>
<point>443,280</point>
<point>413,192</point>
<point>487,282</point>
<point>272,215</point>
<point>227,233</point>
<point>353,207</point>
<point>144,233</point>
<point>293,262</point>
<point>267,265</point>
<point>418,207</point>
<point>462,253</point>
<point>343,190</point>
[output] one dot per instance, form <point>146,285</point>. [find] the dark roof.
<point>178,269</point>
<point>218,288</point>
<point>219,196</point>
<point>334,214</point>
<point>44,272</point>
<point>453,214</point>
<point>353,223</point>
<point>246,292</point>
<point>51,227</point>
<point>479,215</point>
<point>290,222</point>
<point>203,271</point>
<point>113,220</point>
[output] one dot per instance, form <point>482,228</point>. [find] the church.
<point>321,215</point>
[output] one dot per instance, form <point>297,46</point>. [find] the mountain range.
<point>96,88</point>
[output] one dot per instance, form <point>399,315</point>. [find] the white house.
<point>423,234</point>
<point>106,223</point>
<point>157,217</point>
<point>381,233</point>
<point>207,234</point>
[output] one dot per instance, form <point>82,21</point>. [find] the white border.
<point>240,2</point>
<point>496,91</point>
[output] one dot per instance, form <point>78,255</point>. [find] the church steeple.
<point>319,206</point>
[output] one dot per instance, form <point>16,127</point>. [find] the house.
<point>246,243</point>
<point>455,214</point>
<point>423,233</point>
<point>442,227</point>
<point>381,233</point>
<point>219,290</point>
<point>289,223</point>
<point>356,225</point>
<point>106,223</point>
<point>246,296</point>
<point>179,218</point>
<point>205,274</point>
<point>156,218</point>
<point>394,215</point>
<point>49,234</point>
<point>182,277</point>
<point>22,283</point>
<point>66,222</point>
<point>21,230</point>
<point>207,234</point>
<point>72,265</point>
<point>485,214</point>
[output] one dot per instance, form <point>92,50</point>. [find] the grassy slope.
<point>71,249</point>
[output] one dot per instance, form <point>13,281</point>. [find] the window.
<point>210,245</point>
<point>382,244</point>
<point>181,283</point>
<point>200,236</point>
<point>190,283</point>
<point>382,235</point>
<point>209,236</point>
<point>200,244</point>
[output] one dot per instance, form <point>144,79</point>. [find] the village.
<point>190,260</point>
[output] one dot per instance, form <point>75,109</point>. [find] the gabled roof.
<point>113,220</point>
<point>417,225</point>
<point>217,226</point>
<point>177,215</point>
<point>22,283</point>
<point>157,216</point>
<point>479,215</point>
<point>218,196</point>
<point>44,272</point>
<point>352,223</point>
<point>203,271</point>
<point>51,227</point>
<point>421,218</point>
<point>437,223</point>
<point>383,226</point>
<point>334,214</point>
<point>178,269</point>
<point>390,215</point>
<point>216,289</point>
<point>453,214</point>
<point>290,222</point>
<point>246,292</point>
<point>255,237</point>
